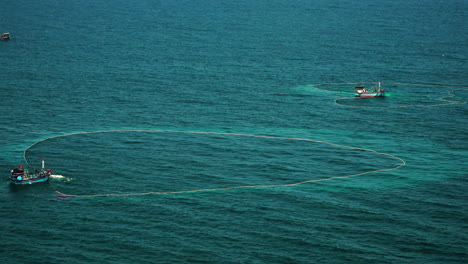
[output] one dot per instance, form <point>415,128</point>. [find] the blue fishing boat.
<point>22,175</point>
<point>361,91</point>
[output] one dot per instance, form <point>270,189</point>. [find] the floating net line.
<point>447,102</point>
<point>63,195</point>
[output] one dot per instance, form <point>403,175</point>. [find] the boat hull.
<point>29,181</point>
<point>379,94</point>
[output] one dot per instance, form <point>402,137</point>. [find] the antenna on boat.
<point>42,159</point>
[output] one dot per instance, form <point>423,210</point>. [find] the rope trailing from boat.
<point>448,102</point>
<point>62,195</point>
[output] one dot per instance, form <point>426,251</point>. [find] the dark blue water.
<point>246,69</point>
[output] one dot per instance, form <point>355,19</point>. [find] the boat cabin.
<point>360,89</point>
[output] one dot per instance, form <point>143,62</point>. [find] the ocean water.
<point>223,131</point>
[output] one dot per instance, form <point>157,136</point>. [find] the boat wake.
<point>60,178</point>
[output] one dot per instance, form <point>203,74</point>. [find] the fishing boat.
<point>361,91</point>
<point>5,36</point>
<point>22,175</point>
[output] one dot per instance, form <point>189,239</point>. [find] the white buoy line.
<point>62,195</point>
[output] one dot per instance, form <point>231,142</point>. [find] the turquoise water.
<point>243,75</point>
